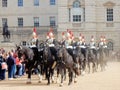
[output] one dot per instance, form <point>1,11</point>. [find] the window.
<point>52,21</point>
<point>4,20</point>
<point>24,43</point>
<point>36,21</point>
<point>76,4</point>
<point>4,3</point>
<point>76,18</point>
<point>20,2</point>
<point>20,22</point>
<point>110,45</point>
<point>52,2</point>
<point>84,14</point>
<point>36,2</point>
<point>109,14</point>
<point>69,14</point>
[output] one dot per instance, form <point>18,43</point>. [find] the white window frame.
<point>109,13</point>
<point>4,3</point>
<point>36,2</point>
<point>76,18</point>
<point>36,22</point>
<point>20,3</point>
<point>52,21</point>
<point>20,22</point>
<point>52,2</point>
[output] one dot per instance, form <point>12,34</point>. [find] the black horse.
<point>49,63</point>
<point>102,58</point>
<point>79,58</point>
<point>31,57</point>
<point>6,33</point>
<point>91,58</point>
<point>68,63</point>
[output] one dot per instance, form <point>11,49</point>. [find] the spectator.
<point>11,66</point>
<point>18,67</point>
<point>3,68</point>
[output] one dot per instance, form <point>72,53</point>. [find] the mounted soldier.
<point>51,43</point>
<point>34,38</point>
<point>63,39</point>
<point>83,47</point>
<point>68,43</point>
<point>92,43</point>
<point>101,43</point>
<point>93,46</point>
<point>105,42</point>
<point>106,50</point>
<point>79,43</point>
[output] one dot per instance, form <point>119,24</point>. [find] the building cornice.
<point>109,4</point>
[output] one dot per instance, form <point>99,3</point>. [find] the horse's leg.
<point>52,75</point>
<point>65,73</point>
<point>58,74</point>
<point>62,76</point>
<point>83,66</point>
<point>4,36</point>
<point>88,66</point>
<point>75,77</point>
<point>48,75</point>
<point>80,63</point>
<point>40,73</point>
<point>101,64</point>
<point>97,63</point>
<point>70,77</point>
<point>30,63</point>
<point>8,37</point>
<point>93,66</point>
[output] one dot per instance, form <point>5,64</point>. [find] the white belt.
<point>92,47</point>
<point>82,47</point>
<point>105,47</point>
<point>74,47</point>
<point>69,47</point>
<point>51,45</point>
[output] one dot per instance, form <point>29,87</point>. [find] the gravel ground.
<point>106,80</point>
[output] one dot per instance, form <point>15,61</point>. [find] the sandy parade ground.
<point>106,80</point>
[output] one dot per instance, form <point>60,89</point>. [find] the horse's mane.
<point>29,54</point>
<point>65,53</point>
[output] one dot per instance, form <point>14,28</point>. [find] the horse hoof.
<point>48,83</point>
<point>69,84</point>
<point>75,81</point>
<point>39,81</point>
<point>28,82</point>
<point>61,85</point>
<point>52,81</point>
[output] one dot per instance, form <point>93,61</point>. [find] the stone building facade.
<point>22,15</point>
<point>89,17</point>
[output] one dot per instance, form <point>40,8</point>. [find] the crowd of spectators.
<point>10,65</point>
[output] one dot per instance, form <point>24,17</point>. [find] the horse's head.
<point>61,52</point>
<point>46,51</point>
<point>19,51</point>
